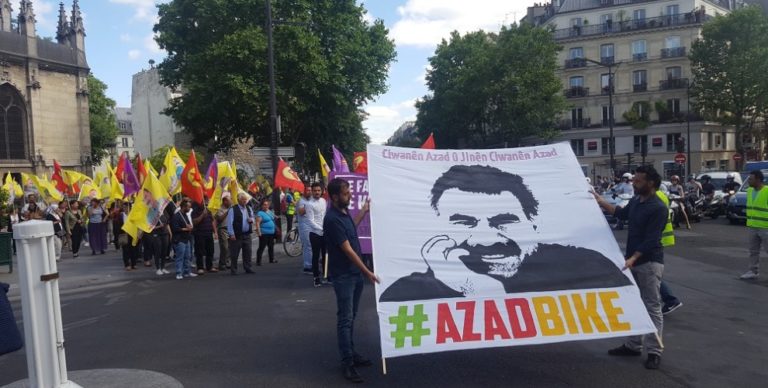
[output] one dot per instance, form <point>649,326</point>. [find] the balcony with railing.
<point>629,25</point>
<point>673,52</point>
<point>640,87</point>
<point>576,92</point>
<point>673,83</point>
<point>608,60</point>
<point>574,124</point>
<point>574,63</point>
<point>639,57</point>
<point>606,90</point>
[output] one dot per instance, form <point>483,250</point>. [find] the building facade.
<point>124,141</point>
<point>152,129</point>
<point>43,92</point>
<point>644,45</point>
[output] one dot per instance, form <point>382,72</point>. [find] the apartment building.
<point>644,45</point>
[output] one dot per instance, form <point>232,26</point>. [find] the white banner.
<point>488,248</point>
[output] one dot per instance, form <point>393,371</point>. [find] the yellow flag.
<point>116,189</point>
<point>47,190</point>
<point>29,185</point>
<point>14,189</point>
<point>149,168</point>
<point>89,191</point>
<point>173,166</point>
<point>225,176</point>
<point>72,177</point>
<point>324,169</point>
<point>148,207</point>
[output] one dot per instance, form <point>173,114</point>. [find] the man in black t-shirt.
<point>346,269</point>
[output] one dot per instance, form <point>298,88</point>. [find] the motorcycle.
<point>695,207</point>
<point>616,200</point>
<point>715,205</point>
<point>679,211</point>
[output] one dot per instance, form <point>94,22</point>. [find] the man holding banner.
<point>346,269</point>
<point>647,215</point>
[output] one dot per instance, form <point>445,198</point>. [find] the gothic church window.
<point>12,124</point>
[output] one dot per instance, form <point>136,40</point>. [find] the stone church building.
<point>43,93</point>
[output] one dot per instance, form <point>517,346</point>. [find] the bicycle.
<point>292,243</point>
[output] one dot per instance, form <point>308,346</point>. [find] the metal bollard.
<point>41,308</point>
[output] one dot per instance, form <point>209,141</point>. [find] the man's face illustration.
<point>488,235</point>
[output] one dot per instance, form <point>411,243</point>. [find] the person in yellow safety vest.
<point>671,302</point>
<point>290,212</point>
<point>757,222</point>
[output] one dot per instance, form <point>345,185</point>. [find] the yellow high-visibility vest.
<point>757,209</point>
<point>668,234</point>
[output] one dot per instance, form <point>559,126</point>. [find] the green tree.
<point>101,119</point>
<point>489,89</point>
<point>729,63</point>
<point>329,62</point>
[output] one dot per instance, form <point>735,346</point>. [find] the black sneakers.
<point>668,308</point>
<point>350,373</point>
<point>653,361</point>
<point>623,350</point>
<point>317,282</point>
<point>361,361</point>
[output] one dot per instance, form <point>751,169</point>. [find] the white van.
<point>719,177</point>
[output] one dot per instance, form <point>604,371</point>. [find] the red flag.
<point>121,166</point>
<point>58,179</point>
<point>254,187</point>
<point>429,144</point>
<point>141,169</point>
<point>287,178</point>
<point>360,163</point>
<point>191,181</point>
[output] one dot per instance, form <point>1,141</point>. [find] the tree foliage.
<point>328,60</point>
<point>489,89</point>
<point>729,64</point>
<point>101,118</point>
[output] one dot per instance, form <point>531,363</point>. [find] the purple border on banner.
<point>358,185</point>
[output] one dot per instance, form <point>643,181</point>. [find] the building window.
<point>673,13</point>
<point>124,142</point>
<point>576,81</point>
<point>673,105</point>
<point>576,52</point>
<point>672,42</point>
<point>12,124</point>
<point>605,83</point>
<point>672,142</point>
<point>674,72</point>
<point>639,81</point>
<point>606,116</point>
<point>606,53</point>
<point>607,22</point>
<point>639,51</point>
<point>578,147</point>
<point>576,22</point>
<point>638,143</point>
<point>724,165</point>
<point>604,144</point>
<point>718,141</point>
<point>710,164</point>
<point>638,16</point>
<point>577,118</point>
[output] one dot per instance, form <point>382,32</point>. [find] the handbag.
<point>122,239</point>
<point>10,337</point>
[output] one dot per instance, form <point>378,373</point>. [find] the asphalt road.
<point>273,329</point>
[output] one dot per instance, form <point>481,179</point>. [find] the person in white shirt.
<point>315,213</point>
<point>301,211</point>
<point>625,187</point>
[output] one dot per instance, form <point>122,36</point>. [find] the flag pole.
<point>384,365</point>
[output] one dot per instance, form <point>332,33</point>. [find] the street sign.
<point>264,152</point>
<point>680,158</point>
<point>737,157</point>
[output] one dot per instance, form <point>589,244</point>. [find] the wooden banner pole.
<point>384,365</point>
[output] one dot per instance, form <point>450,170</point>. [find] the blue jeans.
<point>183,250</point>
<point>348,288</point>
<point>666,295</point>
<point>306,246</point>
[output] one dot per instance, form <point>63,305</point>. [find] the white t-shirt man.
<point>315,212</point>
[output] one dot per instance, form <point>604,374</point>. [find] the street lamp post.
<point>611,141</point>
<point>689,85</point>
<point>274,135</point>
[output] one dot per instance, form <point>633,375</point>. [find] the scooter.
<point>677,207</point>
<point>715,205</point>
